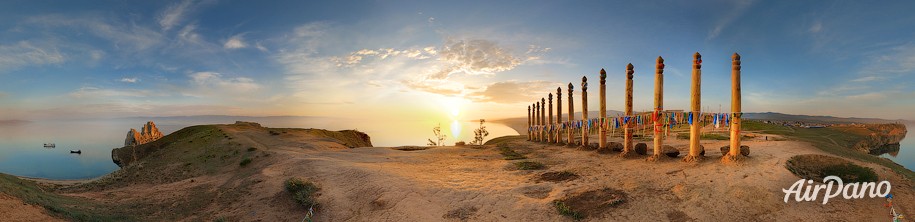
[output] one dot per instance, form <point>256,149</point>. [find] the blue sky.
<point>461,59</point>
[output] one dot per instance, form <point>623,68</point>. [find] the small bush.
<point>302,192</point>
<point>245,162</point>
<point>510,154</point>
<point>565,210</point>
<point>252,149</point>
<point>529,165</point>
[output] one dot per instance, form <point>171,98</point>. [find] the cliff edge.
<point>878,136</point>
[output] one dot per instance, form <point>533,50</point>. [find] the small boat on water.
<point>50,145</point>
<point>76,151</point>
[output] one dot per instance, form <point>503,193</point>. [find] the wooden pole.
<point>530,136</point>
<point>537,121</point>
<point>658,109</point>
<point>542,119</point>
<point>602,136</point>
<point>571,139</point>
<point>694,128</point>
<point>627,140</point>
<point>584,111</point>
<point>735,106</point>
<point>549,128</point>
<point>558,115</point>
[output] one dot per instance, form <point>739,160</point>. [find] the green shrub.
<point>302,192</point>
<point>510,154</point>
<point>245,162</point>
<point>529,165</point>
<point>565,210</point>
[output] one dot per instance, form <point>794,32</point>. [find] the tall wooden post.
<point>549,128</point>
<point>571,117</point>
<point>558,115</point>
<point>584,111</point>
<point>735,107</point>
<point>602,137</point>
<point>530,136</point>
<point>627,141</point>
<point>543,119</point>
<point>658,109</point>
<point>537,121</point>
<point>694,128</point>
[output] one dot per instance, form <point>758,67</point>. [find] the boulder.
<point>744,150</point>
<point>641,148</point>
<point>670,151</point>
<point>618,147</point>
<point>147,134</point>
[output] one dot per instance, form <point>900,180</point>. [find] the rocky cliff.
<point>878,136</point>
<point>147,134</point>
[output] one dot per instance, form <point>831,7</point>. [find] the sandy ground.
<point>477,184</point>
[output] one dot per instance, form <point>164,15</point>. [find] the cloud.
<point>122,35</point>
<point>474,57</point>
<point>739,8</point>
<point>356,57</point>
<point>866,79</point>
<point>89,92</point>
<point>867,96</point>
<point>173,14</point>
<point>816,27</point>
<point>26,53</point>
<point>235,42</point>
<point>212,83</point>
<point>514,91</point>
<point>130,80</point>
<point>261,47</point>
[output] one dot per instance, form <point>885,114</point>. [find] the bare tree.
<point>480,133</point>
<point>438,136</point>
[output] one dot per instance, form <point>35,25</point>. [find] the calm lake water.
<point>22,154</point>
<point>906,155</point>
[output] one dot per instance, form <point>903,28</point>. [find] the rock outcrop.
<point>147,134</point>
<point>880,135</point>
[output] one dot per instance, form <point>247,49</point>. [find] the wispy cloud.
<point>121,35</point>
<point>235,42</point>
<point>174,14</point>
<point>130,80</point>
<point>513,91</point>
<point>816,27</point>
<point>740,6</point>
<point>214,84</point>
<point>25,53</point>
<point>89,92</point>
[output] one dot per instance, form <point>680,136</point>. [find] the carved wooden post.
<point>627,141</point>
<point>537,121</point>
<point>584,111</point>
<point>735,107</point>
<point>602,137</point>
<point>529,131</point>
<point>695,148</point>
<point>558,115</point>
<point>543,119</point>
<point>658,109</point>
<point>549,136</point>
<point>571,116</point>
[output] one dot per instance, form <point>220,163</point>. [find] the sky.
<point>446,59</point>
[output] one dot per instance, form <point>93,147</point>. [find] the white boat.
<point>50,145</point>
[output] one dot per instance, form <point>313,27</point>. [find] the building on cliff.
<point>147,134</point>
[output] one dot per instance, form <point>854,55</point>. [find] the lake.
<point>22,154</point>
<point>906,154</point>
